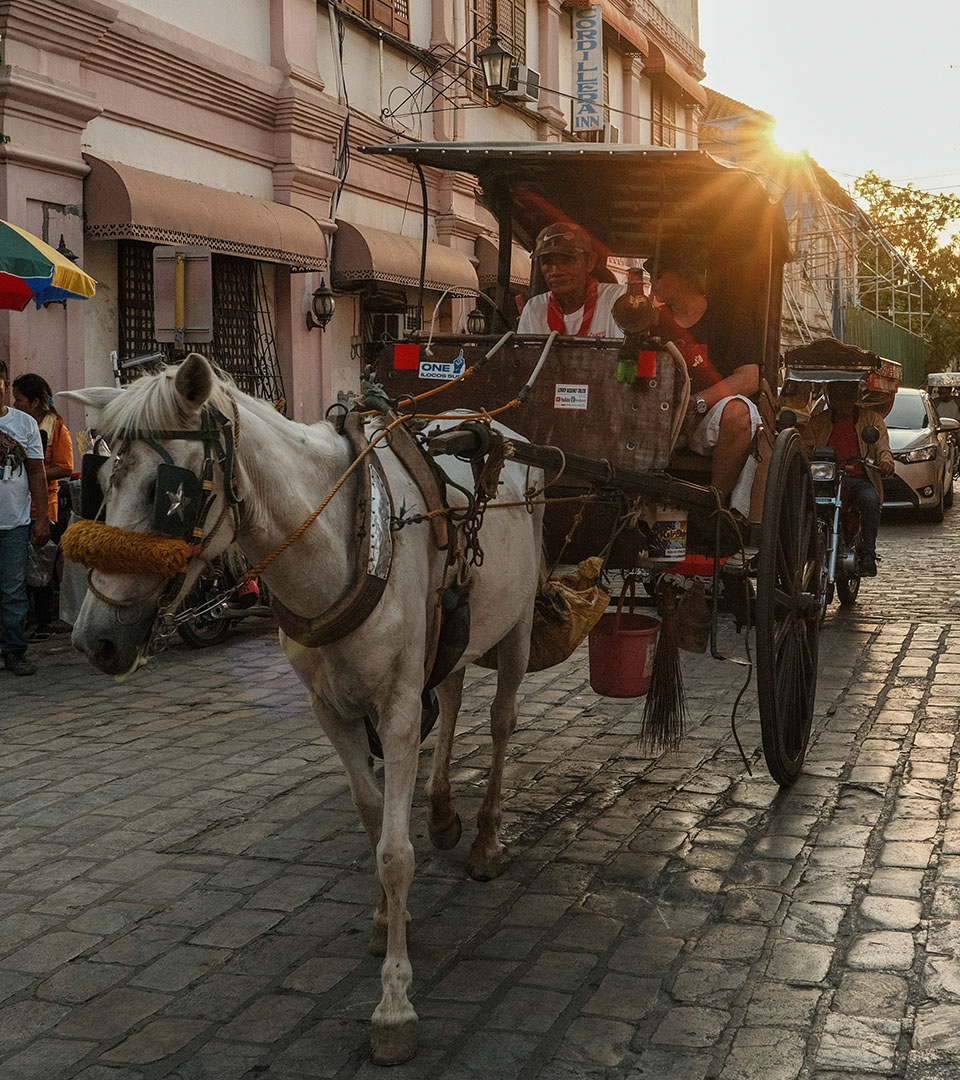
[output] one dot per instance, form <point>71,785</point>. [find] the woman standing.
<point>32,395</point>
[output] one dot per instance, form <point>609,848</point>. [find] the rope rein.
<point>256,571</point>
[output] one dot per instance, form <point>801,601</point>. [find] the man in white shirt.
<point>577,305</point>
<point>21,476</point>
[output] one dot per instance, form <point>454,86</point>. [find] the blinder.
<point>177,503</point>
<point>182,499</point>
<point>91,490</point>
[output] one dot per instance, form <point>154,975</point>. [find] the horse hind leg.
<point>486,854</point>
<point>443,821</point>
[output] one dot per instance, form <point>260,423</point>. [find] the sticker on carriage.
<point>570,395</point>
<point>442,370</point>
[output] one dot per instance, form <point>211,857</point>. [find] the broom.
<point>661,728</point>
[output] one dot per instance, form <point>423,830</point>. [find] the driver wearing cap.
<point>577,304</point>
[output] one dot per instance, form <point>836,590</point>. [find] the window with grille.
<point>511,26</point>
<point>391,14</point>
<point>243,340</point>
<point>664,115</point>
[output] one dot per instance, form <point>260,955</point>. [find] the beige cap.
<point>564,237</point>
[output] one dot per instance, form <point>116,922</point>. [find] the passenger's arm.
<point>744,380</point>
<point>881,449</point>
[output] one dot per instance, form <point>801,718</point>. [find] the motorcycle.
<point>838,522</point>
<point>216,602</point>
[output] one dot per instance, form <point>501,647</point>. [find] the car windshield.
<point>907,412</point>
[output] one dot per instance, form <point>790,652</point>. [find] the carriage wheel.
<point>789,605</point>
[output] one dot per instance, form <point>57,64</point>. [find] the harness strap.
<point>426,475</point>
<point>374,556</point>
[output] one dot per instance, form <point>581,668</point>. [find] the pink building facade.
<point>132,125</point>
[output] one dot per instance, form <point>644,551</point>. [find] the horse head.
<point>167,491</point>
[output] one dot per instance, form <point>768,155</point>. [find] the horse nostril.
<point>104,649</point>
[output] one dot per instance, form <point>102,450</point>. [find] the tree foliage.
<point>922,226</point>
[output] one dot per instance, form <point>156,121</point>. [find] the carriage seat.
<point>690,466</point>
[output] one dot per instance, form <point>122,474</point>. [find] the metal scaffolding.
<point>841,260</point>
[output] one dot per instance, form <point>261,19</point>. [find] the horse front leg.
<point>394,1034</point>
<point>349,739</point>
<point>486,854</point>
<point>443,821</point>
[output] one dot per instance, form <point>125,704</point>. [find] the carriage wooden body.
<point>616,437</point>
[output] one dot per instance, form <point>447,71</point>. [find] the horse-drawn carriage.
<point>613,441</point>
<point>361,562</point>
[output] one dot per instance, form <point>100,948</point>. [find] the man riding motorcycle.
<point>841,426</point>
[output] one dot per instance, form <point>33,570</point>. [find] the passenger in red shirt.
<point>841,427</point>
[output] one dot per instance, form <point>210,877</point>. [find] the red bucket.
<point>622,647</point>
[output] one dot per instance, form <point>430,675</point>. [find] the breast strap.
<point>374,555</point>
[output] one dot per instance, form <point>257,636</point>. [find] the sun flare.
<point>789,138</point>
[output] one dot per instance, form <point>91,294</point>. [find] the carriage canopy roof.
<point>629,198</point>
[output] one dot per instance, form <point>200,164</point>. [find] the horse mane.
<point>152,403</point>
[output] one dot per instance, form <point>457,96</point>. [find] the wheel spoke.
<point>784,566</point>
<point>786,603</point>
<point>810,573</point>
<point>782,633</point>
<point>788,541</point>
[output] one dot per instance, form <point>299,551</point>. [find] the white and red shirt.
<point>535,317</point>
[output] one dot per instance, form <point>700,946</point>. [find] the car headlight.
<point>823,470</point>
<point>922,453</point>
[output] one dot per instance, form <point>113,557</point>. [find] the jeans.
<point>868,500</point>
<point>13,590</point>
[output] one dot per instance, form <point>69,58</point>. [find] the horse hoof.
<point>484,866</point>
<point>393,1044</point>
<point>446,838</point>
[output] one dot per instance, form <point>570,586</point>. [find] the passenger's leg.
<point>733,445</point>
<point>869,502</point>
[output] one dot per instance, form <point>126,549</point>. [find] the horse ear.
<point>194,380</point>
<point>94,397</point>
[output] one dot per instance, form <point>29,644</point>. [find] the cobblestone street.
<point>185,890</point>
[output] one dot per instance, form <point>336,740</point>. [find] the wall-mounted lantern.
<point>495,62</point>
<point>322,307</point>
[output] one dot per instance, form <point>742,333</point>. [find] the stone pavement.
<point>185,891</point>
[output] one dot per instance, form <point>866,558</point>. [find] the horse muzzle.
<point>113,639</point>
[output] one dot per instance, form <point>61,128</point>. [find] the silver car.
<point>923,450</point>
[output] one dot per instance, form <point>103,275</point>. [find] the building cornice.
<point>132,55</point>
<point>60,104</point>
<point>71,30</point>
<point>57,164</point>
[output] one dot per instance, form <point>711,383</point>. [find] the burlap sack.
<point>566,610</point>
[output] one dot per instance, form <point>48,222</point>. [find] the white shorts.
<point>706,433</point>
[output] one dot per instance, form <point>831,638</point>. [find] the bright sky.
<point>860,84</point>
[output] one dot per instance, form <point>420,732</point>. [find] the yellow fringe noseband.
<point>121,551</point>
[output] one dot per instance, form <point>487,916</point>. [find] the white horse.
<point>281,471</point>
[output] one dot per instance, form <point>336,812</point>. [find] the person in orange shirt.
<point>32,395</point>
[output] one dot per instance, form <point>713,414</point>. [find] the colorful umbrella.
<point>32,270</point>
